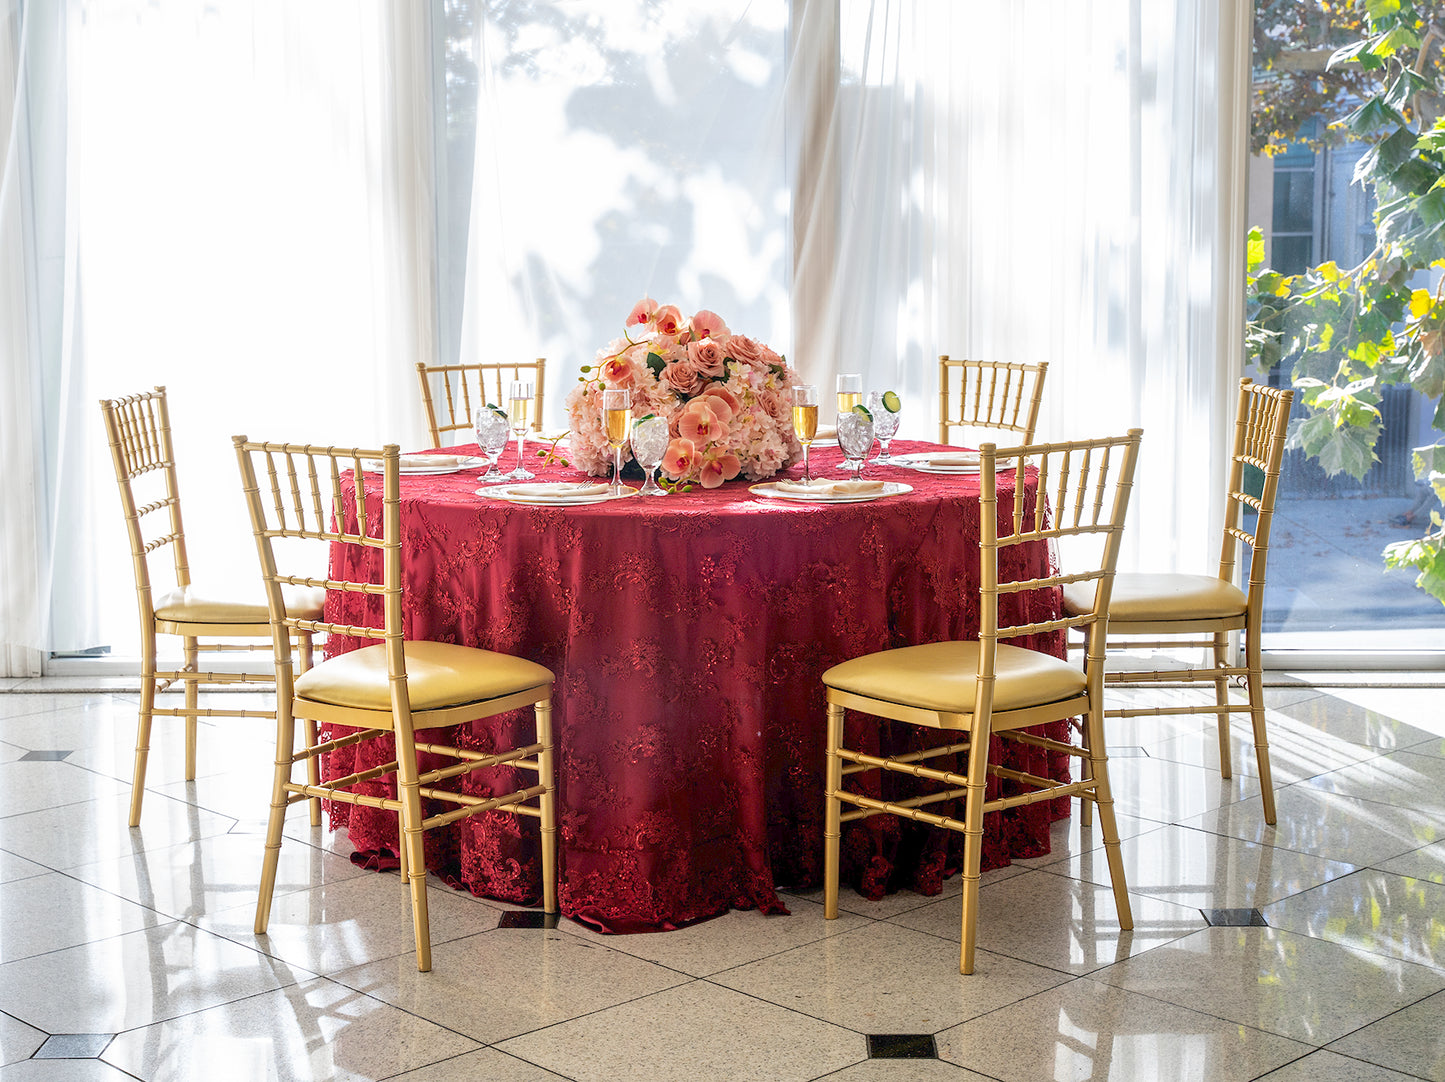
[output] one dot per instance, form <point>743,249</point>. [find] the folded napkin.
<point>421,459</point>
<point>826,432</point>
<point>559,488</point>
<point>830,488</point>
<point>953,460</point>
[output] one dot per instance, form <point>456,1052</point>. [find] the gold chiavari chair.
<point>985,688</point>
<point>388,691</point>
<point>465,387</point>
<point>139,430</point>
<point>1171,611</point>
<point>989,394</point>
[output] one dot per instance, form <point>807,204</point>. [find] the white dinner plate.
<point>417,465</point>
<point>561,499</point>
<point>920,462</point>
<point>770,489</point>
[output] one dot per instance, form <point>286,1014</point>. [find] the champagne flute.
<point>494,432</point>
<point>885,408</point>
<point>649,444</point>
<point>519,410</point>
<point>855,436</point>
<point>850,394</point>
<point>616,413</point>
<point>805,422</point>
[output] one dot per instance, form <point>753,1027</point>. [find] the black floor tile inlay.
<point>1235,918</point>
<point>73,1046</point>
<point>44,756</point>
<point>524,918</point>
<point>901,1046</point>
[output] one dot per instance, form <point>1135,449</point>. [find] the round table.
<point>688,635</point>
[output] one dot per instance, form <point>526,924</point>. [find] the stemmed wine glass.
<point>850,394</point>
<point>805,422</point>
<point>494,431</point>
<point>616,414</point>
<point>519,409</point>
<point>855,436</point>
<point>885,408</point>
<point>649,445</point>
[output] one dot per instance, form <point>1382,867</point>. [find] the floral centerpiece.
<point>725,397</point>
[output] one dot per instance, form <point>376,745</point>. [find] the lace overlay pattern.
<point>688,636</point>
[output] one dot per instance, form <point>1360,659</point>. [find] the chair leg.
<point>1086,806</point>
<point>976,792</point>
<point>547,777</point>
<point>192,667</point>
<point>832,812</point>
<point>414,860</point>
<point>281,777</point>
<point>313,763</point>
<point>1256,713</point>
<point>1221,699</point>
<point>143,724</point>
<point>1108,825</point>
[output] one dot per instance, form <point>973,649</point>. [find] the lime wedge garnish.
<point>497,410</point>
<point>862,411</point>
<point>891,403</point>
<point>640,420</point>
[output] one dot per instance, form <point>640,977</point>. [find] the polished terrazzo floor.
<point>1314,950</point>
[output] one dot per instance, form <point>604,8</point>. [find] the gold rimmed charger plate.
<point>771,490</point>
<point>561,498</point>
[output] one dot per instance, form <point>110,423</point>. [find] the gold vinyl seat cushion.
<point>944,676</point>
<point>438,674</point>
<point>200,605</point>
<point>1144,597</point>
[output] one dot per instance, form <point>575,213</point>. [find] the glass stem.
<point>807,477</point>
<point>521,439</point>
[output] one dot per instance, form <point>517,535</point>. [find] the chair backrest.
<point>139,430</point>
<point>1083,492</point>
<point>465,387</point>
<point>300,494</point>
<point>989,394</point>
<point>1261,424</point>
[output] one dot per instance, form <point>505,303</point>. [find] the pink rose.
<point>717,470</point>
<point>682,376</point>
<point>668,319</point>
<point>701,423</point>
<point>708,324</point>
<point>708,356</point>
<point>724,397</point>
<point>680,458</point>
<point>617,371</point>
<point>642,312</point>
<point>741,348</point>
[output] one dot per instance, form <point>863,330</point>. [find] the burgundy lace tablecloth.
<point>688,635</point>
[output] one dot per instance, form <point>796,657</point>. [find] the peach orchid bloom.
<point>701,423</point>
<point>708,324</point>
<point>680,458</point>
<point>617,371</point>
<point>668,319</point>
<point>642,312</point>
<point>717,470</point>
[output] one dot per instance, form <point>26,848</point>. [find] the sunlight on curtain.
<point>624,148</point>
<point>254,199</point>
<point>1031,182</point>
<point>1018,181</point>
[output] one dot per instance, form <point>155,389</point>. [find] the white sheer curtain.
<point>1024,181</point>
<point>249,186</point>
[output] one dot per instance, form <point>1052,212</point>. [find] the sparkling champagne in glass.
<point>850,394</point>
<point>805,423</point>
<point>519,411</point>
<point>616,417</point>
